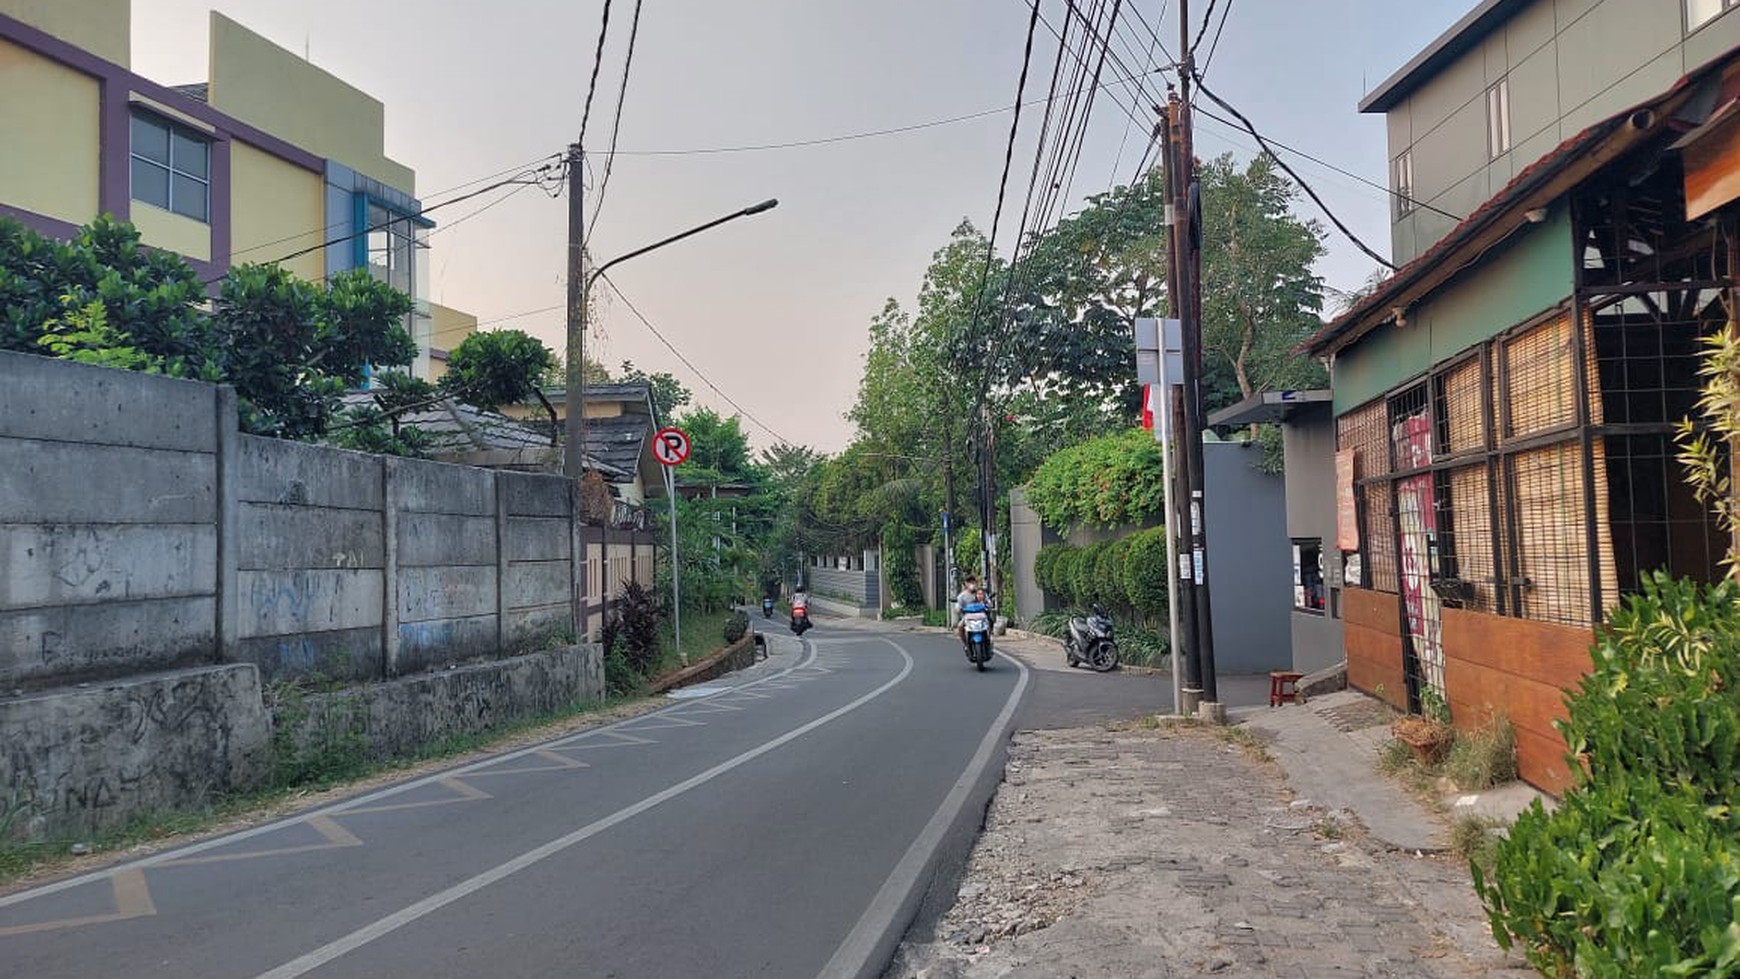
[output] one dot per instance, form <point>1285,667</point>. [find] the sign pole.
<point>676,566</point>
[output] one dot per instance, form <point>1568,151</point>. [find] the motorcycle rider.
<point>800,605</point>
<point>970,594</point>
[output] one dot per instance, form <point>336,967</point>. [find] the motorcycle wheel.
<point>1069,654</point>
<point>1104,657</point>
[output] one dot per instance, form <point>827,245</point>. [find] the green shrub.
<point>1082,571</point>
<point>1108,579</point>
<point>1145,573</point>
<point>736,627</point>
<point>1045,566</point>
<point>1637,872</point>
<point>1484,757</point>
<point>1111,480</point>
<point>936,617</point>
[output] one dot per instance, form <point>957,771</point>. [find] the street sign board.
<point>671,446</point>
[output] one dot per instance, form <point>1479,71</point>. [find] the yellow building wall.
<point>452,326</point>
<point>50,157</point>
<point>275,208</point>
<point>102,27</point>
<point>263,84</point>
<point>172,232</point>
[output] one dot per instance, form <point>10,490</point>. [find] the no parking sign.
<point>671,446</point>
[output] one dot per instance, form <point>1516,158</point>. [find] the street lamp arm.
<point>766,205</point>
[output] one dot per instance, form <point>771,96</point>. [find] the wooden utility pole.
<point>574,425</point>
<point>1188,251</point>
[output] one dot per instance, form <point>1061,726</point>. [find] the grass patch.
<point>1327,829</point>
<point>1474,839</point>
<point>291,783</point>
<point>1484,757</point>
<point>703,633</point>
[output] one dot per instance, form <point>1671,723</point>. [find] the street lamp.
<point>575,424</point>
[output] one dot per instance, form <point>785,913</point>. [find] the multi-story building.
<point>1515,78</point>
<point>269,159</point>
<point>1505,406</point>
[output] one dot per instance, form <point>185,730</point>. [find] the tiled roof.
<point>455,429</point>
<point>199,92</point>
<point>617,442</point>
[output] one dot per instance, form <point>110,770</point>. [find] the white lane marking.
<point>435,902</point>
<point>860,943</point>
<point>565,743</point>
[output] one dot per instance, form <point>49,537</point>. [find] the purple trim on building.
<point>219,207</point>
<point>119,82</point>
<point>42,223</point>
<point>114,140</point>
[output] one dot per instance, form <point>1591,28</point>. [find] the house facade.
<point>1505,405</point>
<point>269,159</point>
<point>1513,79</point>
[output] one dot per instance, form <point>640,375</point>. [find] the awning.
<point>1269,406</point>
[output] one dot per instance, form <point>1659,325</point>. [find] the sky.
<point>774,309</point>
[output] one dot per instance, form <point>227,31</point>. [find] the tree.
<point>668,393</point>
<point>1260,297</point>
<point>289,347</point>
<point>500,367</point>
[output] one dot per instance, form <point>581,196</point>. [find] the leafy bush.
<point>1108,576</point>
<point>936,617</point>
<point>1045,565</point>
<point>1111,480</point>
<point>1637,873</point>
<point>634,629</point>
<point>736,626</point>
<point>1082,571</point>
<point>1145,573</point>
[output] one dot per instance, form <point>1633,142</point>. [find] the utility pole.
<point>574,425</point>
<point>1188,251</point>
<point>1182,570</point>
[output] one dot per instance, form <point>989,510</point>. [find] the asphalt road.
<point>783,823</point>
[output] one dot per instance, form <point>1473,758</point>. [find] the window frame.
<point>1723,6</point>
<point>1402,176</point>
<point>1498,135</point>
<point>171,166</point>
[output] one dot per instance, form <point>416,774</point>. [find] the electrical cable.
<point>1008,160</point>
<point>616,121</point>
<point>1264,143</point>
<point>397,218</point>
<point>597,62</point>
<point>518,169</point>
<point>1214,45</point>
<point>1207,18</point>
<point>690,364</point>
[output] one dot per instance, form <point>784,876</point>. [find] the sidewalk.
<point>1181,851</point>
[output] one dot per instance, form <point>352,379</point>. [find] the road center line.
<point>861,945</point>
<point>435,902</point>
<point>338,808</point>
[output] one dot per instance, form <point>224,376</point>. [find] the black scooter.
<point>1089,642</point>
<point>800,619</point>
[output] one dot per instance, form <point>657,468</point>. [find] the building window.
<point>1701,12</point>
<point>1404,183</point>
<point>1308,591</point>
<point>171,167</point>
<point>1498,119</point>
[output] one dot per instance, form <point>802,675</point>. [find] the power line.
<point>1008,159</point>
<point>1264,143</point>
<point>1214,45</point>
<point>397,218</point>
<point>690,364</point>
<point>519,168</point>
<point>597,62</point>
<point>1207,18</point>
<point>616,121</point>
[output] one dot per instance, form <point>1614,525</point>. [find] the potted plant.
<point>1428,734</point>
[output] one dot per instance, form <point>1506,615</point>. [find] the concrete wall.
<point>139,531</point>
<point>83,760</point>
<point>397,718</point>
<point>859,586</point>
<point>55,112</point>
<point>1308,440</point>
<point>109,497</point>
<point>1567,64</point>
<point>1026,536</point>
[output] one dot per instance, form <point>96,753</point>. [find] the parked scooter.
<point>976,626</point>
<point>800,615</point>
<point>1089,642</point>
<point>767,608</point>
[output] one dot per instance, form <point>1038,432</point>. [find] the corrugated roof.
<point>456,429</point>
<point>199,91</point>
